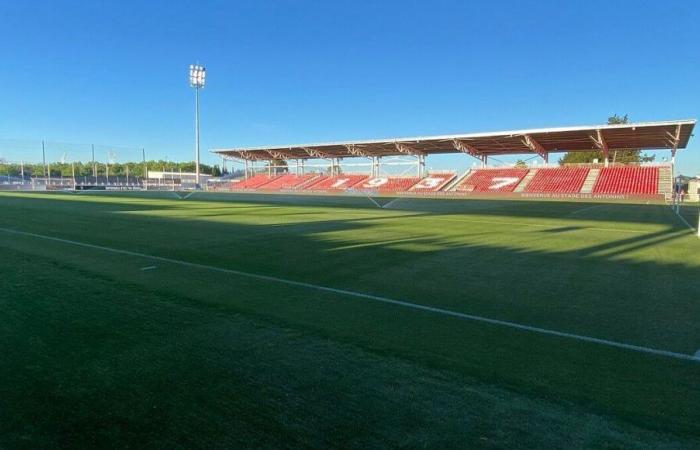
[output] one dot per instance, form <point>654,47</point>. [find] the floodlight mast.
<point>197,75</point>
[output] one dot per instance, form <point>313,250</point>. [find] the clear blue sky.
<point>309,71</point>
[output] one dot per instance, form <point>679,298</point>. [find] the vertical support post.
<point>546,158</point>
<point>484,161</point>
<point>145,166</point>
<point>21,168</point>
<point>94,164</point>
<point>421,166</point>
<point>72,168</point>
<point>303,169</point>
<point>43,157</point>
<point>673,168</point>
<point>245,169</point>
<point>196,134</point>
<point>269,168</point>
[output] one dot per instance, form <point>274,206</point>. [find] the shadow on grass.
<point>580,285</point>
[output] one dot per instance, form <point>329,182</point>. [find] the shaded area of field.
<point>622,272</point>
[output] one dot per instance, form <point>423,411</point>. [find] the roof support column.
<point>484,161</point>
<point>420,162</point>
<point>245,169</point>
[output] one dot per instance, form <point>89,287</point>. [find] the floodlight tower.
<point>197,74</point>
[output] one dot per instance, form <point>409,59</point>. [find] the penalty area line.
<point>377,298</point>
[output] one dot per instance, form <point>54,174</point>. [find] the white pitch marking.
<point>390,203</point>
<point>432,309</point>
<point>684,221</point>
<point>148,268</point>
<point>585,209</point>
<point>373,201</point>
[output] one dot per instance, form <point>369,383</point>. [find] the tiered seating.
<point>492,180</point>
<point>336,183</point>
<point>558,180</point>
<point>252,182</point>
<point>287,181</point>
<point>388,184</point>
<point>433,182</point>
<point>627,180</point>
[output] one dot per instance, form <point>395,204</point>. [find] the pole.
<point>196,134</point>
<point>94,164</point>
<point>43,156</point>
<point>21,168</point>
<point>72,168</point>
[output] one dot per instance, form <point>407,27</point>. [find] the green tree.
<point>278,162</point>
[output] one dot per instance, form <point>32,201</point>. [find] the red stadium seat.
<point>253,182</point>
<point>433,182</point>
<point>388,184</point>
<point>287,181</point>
<point>627,180</point>
<point>335,183</point>
<point>558,180</point>
<point>492,180</point>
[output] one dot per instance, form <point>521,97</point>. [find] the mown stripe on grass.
<point>431,309</point>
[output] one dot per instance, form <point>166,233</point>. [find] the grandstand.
<point>600,180</point>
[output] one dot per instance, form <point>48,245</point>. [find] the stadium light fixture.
<point>197,77</point>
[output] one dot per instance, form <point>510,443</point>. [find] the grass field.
<point>228,337</point>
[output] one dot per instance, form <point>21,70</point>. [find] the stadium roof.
<point>669,135</point>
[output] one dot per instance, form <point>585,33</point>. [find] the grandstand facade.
<point>575,182</point>
<point>600,180</point>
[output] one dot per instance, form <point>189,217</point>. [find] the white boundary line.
<point>684,221</point>
<point>573,213</point>
<point>391,202</point>
<point>445,312</point>
<point>185,197</point>
<point>375,202</point>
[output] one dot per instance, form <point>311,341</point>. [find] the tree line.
<point>135,169</point>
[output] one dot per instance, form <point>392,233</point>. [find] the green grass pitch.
<point>115,349</point>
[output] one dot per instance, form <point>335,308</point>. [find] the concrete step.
<point>591,178</point>
<point>525,181</point>
<point>452,185</point>
<point>665,183</point>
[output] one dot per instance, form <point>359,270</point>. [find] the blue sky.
<point>311,71</point>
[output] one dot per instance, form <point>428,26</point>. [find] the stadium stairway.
<point>588,184</point>
<point>452,185</point>
<point>665,181</point>
<point>523,184</point>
